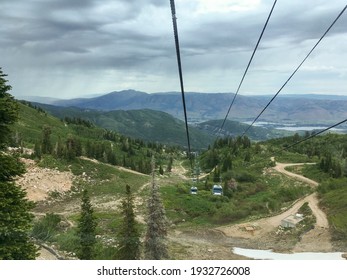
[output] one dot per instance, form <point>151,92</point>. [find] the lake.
<point>307,128</point>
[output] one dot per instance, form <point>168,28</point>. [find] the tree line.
<point>112,148</point>
<point>330,150</point>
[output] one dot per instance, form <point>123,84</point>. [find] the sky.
<point>73,48</point>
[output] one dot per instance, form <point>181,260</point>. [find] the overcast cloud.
<point>70,48</point>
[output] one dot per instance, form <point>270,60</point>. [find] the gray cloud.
<point>115,44</point>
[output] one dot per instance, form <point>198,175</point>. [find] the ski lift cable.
<point>313,135</point>
<point>249,63</point>
<point>305,139</point>
<point>291,76</point>
<point>174,21</point>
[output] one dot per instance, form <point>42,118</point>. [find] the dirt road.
<point>312,199</point>
<point>114,166</point>
<point>316,240</point>
<point>281,167</point>
<point>180,171</point>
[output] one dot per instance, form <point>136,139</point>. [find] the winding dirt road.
<point>312,199</point>
<point>281,167</point>
<point>316,240</point>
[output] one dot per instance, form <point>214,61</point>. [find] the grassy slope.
<point>31,122</point>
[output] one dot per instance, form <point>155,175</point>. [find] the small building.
<point>292,220</point>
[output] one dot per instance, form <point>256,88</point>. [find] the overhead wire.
<point>303,140</point>
<point>291,76</point>
<point>174,21</point>
<point>177,45</point>
<point>313,135</point>
<point>249,63</point>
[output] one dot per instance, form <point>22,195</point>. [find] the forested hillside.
<point>145,124</point>
<point>75,137</point>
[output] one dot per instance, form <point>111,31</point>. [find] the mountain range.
<point>297,109</point>
<point>159,116</point>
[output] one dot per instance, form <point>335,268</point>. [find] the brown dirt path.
<point>180,171</point>
<point>114,166</point>
<point>316,240</point>
<point>312,199</point>
<point>46,255</point>
<point>281,167</point>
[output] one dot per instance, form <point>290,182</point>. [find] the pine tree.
<point>37,150</point>
<point>70,148</point>
<point>59,149</point>
<point>86,229</point>
<point>46,145</point>
<point>169,166</point>
<point>15,217</point>
<point>216,175</point>
<point>248,156</point>
<point>128,235</point>
<point>161,170</point>
<point>155,239</point>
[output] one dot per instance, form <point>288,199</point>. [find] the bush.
<point>68,241</point>
<point>245,177</point>
<point>225,215</point>
<point>239,214</point>
<point>273,204</point>
<point>46,228</point>
<point>182,189</point>
<point>332,184</point>
<point>104,252</point>
<point>290,194</point>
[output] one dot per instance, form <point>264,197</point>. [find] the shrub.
<point>245,177</point>
<point>46,228</point>
<point>68,241</point>
<point>182,189</point>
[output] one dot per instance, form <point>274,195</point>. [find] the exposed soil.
<point>40,182</point>
<point>46,255</point>
<point>215,243</point>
